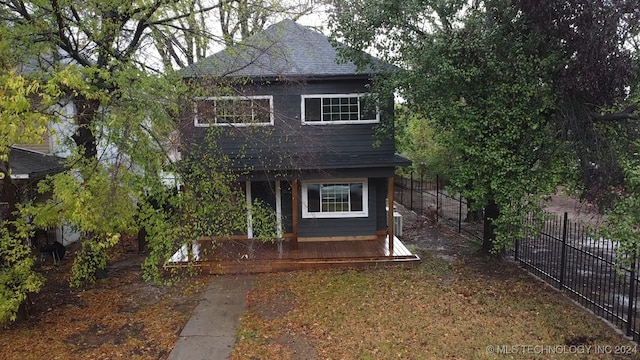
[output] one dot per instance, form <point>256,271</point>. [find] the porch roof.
<point>320,162</point>
<point>27,164</point>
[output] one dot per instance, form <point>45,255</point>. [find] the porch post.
<point>294,215</point>
<point>390,222</point>
<point>249,218</point>
<point>278,209</point>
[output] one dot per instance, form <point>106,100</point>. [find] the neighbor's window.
<point>233,110</point>
<point>331,199</point>
<point>338,109</point>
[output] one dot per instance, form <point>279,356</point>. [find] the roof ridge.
<point>284,49</point>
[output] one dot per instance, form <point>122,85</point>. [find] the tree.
<point>201,32</point>
<point>623,220</point>
<point>124,111</point>
<point>21,120</point>
<point>415,138</point>
<point>591,79</point>
<point>500,79</point>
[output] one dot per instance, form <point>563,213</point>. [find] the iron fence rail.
<point>430,198</point>
<point>568,255</point>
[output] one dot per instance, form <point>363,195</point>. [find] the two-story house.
<point>300,126</point>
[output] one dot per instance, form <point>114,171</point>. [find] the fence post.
<point>563,260</point>
<point>411,192</point>
<point>516,246</point>
<point>421,190</point>
<point>632,297</point>
<point>460,215</point>
<point>437,196</point>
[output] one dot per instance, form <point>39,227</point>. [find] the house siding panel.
<point>44,146</point>
<point>381,202</point>
<point>289,140</point>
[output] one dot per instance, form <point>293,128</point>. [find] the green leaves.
<point>86,66</point>
<point>416,138</point>
<point>17,275</point>
<point>622,222</point>
<point>21,104</point>
<point>476,79</point>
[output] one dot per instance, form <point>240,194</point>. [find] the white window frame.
<point>215,122</point>
<point>306,214</point>
<point>329,122</point>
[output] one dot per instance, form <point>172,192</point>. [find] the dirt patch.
<point>100,334</point>
<point>273,307</point>
<point>426,235</point>
<point>298,345</point>
<point>577,210</point>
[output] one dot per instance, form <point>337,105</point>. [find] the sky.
<point>317,20</point>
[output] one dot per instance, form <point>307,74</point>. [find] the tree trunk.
<point>491,212</point>
<point>85,139</point>
<point>9,191</point>
<point>472,215</point>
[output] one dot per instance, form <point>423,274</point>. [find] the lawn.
<point>456,304</point>
<point>472,307</point>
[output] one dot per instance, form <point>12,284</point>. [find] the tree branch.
<point>626,114</point>
<point>143,23</point>
<point>182,16</point>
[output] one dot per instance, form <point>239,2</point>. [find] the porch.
<point>230,256</point>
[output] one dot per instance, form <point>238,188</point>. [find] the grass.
<point>439,310</point>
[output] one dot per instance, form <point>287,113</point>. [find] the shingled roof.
<point>284,50</point>
<point>27,164</point>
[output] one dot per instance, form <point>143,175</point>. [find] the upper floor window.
<point>338,109</point>
<point>234,111</point>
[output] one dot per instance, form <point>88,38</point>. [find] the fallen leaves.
<point>401,313</point>
<point>121,317</point>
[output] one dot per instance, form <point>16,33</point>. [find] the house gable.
<point>285,50</point>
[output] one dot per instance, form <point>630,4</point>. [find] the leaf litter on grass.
<point>439,310</point>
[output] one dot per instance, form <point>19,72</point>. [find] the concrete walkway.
<point>210,333</point>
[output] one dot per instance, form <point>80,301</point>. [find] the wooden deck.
<point>254,256</point>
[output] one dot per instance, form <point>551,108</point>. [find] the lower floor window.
<point>334,198</point>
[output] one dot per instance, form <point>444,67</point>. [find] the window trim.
<point>328,122</point>
<point>196,123</point>
<point>306,214</point>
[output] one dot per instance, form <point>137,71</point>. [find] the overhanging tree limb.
<point>626,114</point>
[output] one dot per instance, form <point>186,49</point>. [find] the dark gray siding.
<point>381,202</point>
<point>289,150</point>
<point>376,220</point>
<point>289,144</point>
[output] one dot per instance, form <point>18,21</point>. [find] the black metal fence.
<point>574,258</point>
<point>429,197</point>
<point>568,255</point>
